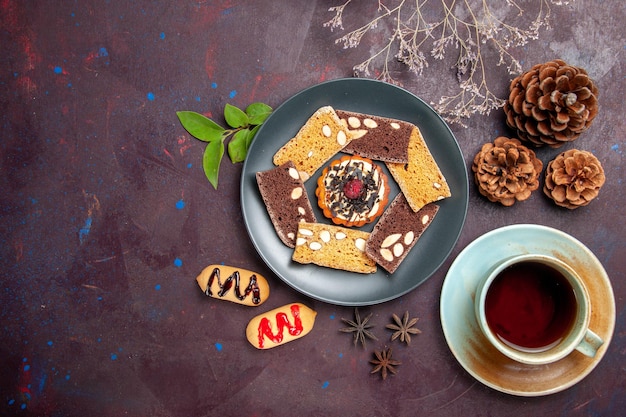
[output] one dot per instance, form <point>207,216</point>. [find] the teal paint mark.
<point>84,231</point>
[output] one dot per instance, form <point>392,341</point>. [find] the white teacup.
<point>535,309</point>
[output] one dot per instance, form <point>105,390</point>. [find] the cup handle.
<point>590,344</point>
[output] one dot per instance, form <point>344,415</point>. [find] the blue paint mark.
<point>26,368</point>
<point>227,11</point>
<point>50,343</point>
<point>219,347</point>
<point>232,94</point>
<point>42,383</point>
<point>180,204</point>
<point>23,406</point>
<point>341,355</point>
<point>58,70</point>
<point>162,35</point>
<point>100,298</point>
<point>103,52</point>
<point>84,231</point>
<point>157,287</point>
<point>198,98</point>
<point>11,401</point>
<point>332,317</point>
<point>67,377</point>
<point>213,85</point>
<point>189,165</point>
<point>99,339</point>
<point>25,360</point>
<point>325,384</point>
<point>178,262</point>
<point>150,96</point>
<point>113,357</point>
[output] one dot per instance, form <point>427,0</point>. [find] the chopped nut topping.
<point>386,254</point>
<point>360,244</point>
<point>425,218</point>
<point>301,211</point>
<point>326,131</point>
<point>325,236</point>
<point>315,246</point>
<point>293,173</point>
<point>370,123</point>
<point>408,238</point>
<point>390,240</point>
<point>436,185</point>
<point>296,193</point>
<point>340,235</point>
<point>354,122</point>
<point>342,138</point>
<point>305,232</point>
<point>398,249</point>
<point>395,125</point>
<point>300,241</point>
<point>290,235</point>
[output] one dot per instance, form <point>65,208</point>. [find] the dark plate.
<point>435,245</point>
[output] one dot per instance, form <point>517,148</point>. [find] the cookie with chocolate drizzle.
<point>352,191</point>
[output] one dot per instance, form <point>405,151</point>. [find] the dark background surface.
<point>107,217</point>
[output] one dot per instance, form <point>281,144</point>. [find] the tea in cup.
<point>535,309</point>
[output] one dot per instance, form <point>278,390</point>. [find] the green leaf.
<point>200,126</point>
<point>211,160</point>
<point>238,146</point>
<point>235,117</point>
<point>258,113</point>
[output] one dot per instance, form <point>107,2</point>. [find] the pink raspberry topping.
<point>353,188</point>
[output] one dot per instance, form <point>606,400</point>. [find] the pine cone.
<point>506,171</point>
<point>573,178</point>
<point>551,104</point>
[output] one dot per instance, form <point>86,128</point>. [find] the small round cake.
<point>352,191</point>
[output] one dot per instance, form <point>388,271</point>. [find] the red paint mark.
<point>209,62</point>
<point>184,144</point>
<point>65,109</point>
<point>26,84</point>
<point>168,154</point>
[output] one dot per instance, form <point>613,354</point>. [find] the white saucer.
<point>470,346</point>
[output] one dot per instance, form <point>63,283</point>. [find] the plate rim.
<point>476,243</point>
<point>464,194</point>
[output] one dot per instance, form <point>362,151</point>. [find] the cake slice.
<point>420,179</point>
<point>397,231</point>
<point>333,247</point>
<point>318,140</point>
<point>379,138</point>
<point>286,200</point>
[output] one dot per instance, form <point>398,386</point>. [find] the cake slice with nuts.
<point>333,247</point>
<point>318,140</point>
<point>397,232</point>
<point>379,138</point>
<point>420,179</point>
<point>286,200</point>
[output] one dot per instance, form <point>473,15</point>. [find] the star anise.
<point>359,327</point>
<point>383,363</point>
<point>403,328</point>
